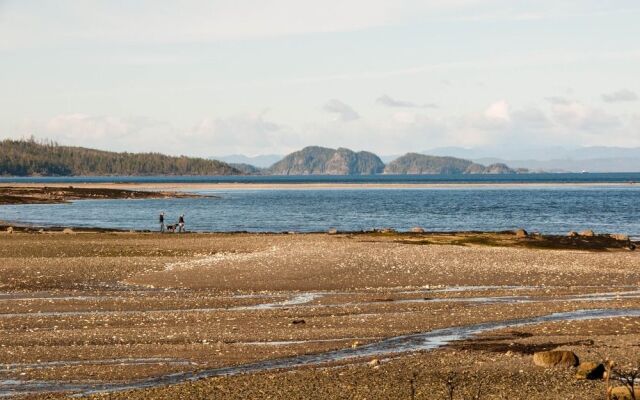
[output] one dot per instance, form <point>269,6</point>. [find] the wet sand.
<point>47,194</point>
<point>113,311</point>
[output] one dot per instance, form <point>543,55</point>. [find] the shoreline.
<point>598,242</point>
<point>185,186</point>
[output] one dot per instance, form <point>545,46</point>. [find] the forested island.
<point>44,158</point>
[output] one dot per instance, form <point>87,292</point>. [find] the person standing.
<point>161,222</point>
<point>181,223</point>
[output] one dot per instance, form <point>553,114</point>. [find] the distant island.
<point>33,158</point>
<point>414,163</point>
<point>315,160</point>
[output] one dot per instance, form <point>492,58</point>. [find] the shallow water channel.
<point>387,347</point>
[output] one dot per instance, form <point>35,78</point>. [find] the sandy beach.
<point>133,315</point>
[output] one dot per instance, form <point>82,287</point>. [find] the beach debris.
<point>298,322</point>
<point>587,233</point>
<point>572,234</point>
<point>556,358</point>
<point>521,234</point>
<point>67,231</point>
<point>332,231</point>
<point>10,229</point>
<point>590,370</point>
<point>417,229</point>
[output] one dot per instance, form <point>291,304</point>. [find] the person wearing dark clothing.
<point>181,223</point>
<point>161,222</point>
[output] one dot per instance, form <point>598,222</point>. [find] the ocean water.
<point>547,209</point>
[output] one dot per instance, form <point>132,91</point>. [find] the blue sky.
<point>257,77</point>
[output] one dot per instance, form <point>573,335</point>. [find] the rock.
<point>556,358</point>
<point>590,370</point>
<point>623,393</point>
<point>417,229</point>
<point>572,234</point>
<point>355,344</point>
<point>10,229</point>
<point>298,322</point>
<point>374,363</point>
<point>387,230</point>
<point>521,234</point>
<point>620,236</point>
<point>587,233</point>
<point>332,231</point>
<point>67,231</point>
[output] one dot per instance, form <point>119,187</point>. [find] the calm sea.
<point>548,209</point>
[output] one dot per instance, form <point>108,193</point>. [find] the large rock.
<point>620,236</point>
<point>68,231</point>
<point>587,233</point>
<point>417,229</point>
<point>623,393</point>
<point>10,229</point>
<point>572,234</point>
<point>521,234</point>
<point>590,370</point>
<point>556,358</point>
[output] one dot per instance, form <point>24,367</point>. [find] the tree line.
<point>31,157</point>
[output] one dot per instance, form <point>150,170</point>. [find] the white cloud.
<point>620,96</point>
<point>342,111</point>
<point>498,111</point>
<point>387,101</point>
<point>578,116</point>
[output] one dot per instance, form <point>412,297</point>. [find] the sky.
<point>218,77</point>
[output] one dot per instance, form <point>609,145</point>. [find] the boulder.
<point>67,231</point>
<point>521,234</point>
<point>555,358</point>
<point>587,233</point>
<point>417,229</point>
<point>623,393</point>
<point>332,231</point>
<point>10,229</point>
<point>620,236</point>
<point>590,370</point>
<point>572,234</point>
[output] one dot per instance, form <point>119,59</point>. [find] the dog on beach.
<point>172,228</point>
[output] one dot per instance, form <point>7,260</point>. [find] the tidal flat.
<point>310,316</point>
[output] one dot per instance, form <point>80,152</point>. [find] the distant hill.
<point>261,161</point>
<point>248,169</point>
<point>316,160</point>
<point>414,163</point>
<point>28,157</point>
